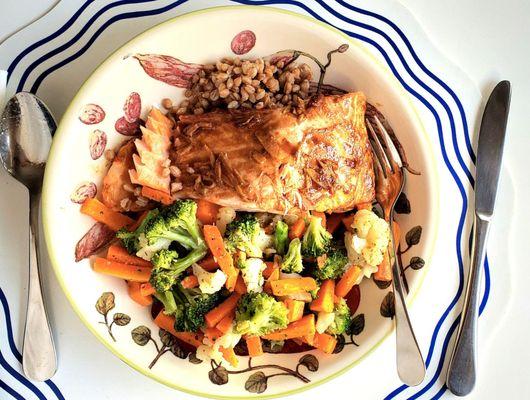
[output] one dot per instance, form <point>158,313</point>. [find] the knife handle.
<point>462,371</point>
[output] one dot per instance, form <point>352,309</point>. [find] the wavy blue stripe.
<point>423,68</point>
<point>487,287</point>
<point>47,39</point>
<point>12,346</point>
<point>21,378</point>
<point>11,391</point>
<point>72,41</point>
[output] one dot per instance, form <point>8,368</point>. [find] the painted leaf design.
<point>256,383</point>
<point>141,335</point>
<point>310,362</point>
<point>382,284</point>
<point>357,325</point>
<point>97,141</point>
<point>417,263</point>
<point>387,308</point>
<point>121,319</point>
<point>218,375</point>
<point>192,358</point>
<point>83,191</point>
<point>166,338</point>
<point>132,107</point>
<point>178,351</point>
<point>402,204</point>
<point>98,236</point>
<point>127,128</point>
<point>413,236</point>
<point>91,114</point>
<point>105,303</point>
<point>168,69</point>
<point>243,42</point>
<point>284,56</point>
<point>340,344</point>
<point>343,47</point>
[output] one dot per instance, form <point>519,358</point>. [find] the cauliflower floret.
<point>209,282</point>
<point>146,252</point>
<point>363,220</point>
<point>210,351</point>
<point>251,271</point>
<point>225,215</point>
<point>324,321</point>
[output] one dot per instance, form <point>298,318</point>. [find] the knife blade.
<point>490,147</point>
<point>462,370</point>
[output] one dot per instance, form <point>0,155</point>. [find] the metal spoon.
<point>26,130</point>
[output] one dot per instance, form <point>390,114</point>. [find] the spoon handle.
<point>38,357</point>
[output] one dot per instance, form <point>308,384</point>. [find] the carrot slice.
<point>167,323</point>
<point>254,346</point>
<point>189,282</point>
<point>135,293</point>
<point>207,212</point>
<point>268,270</point>
<point>296,329</point>
<point>213,317</point>
<point>320,215</point>
<point>297,229</point>
<point>240,287</point>
<point>123,271</point>
<point>208,263</point>
<point>215,242</point>
<point>230,356</point>
<point>146,289</point>
<point>333,222</point>
<point>157,195</point>
<point>213,334</point>
<point>296,309</point>
<point>226,323</point>
<point>101,213</point>
<point>283,287</point>
<point>324,342</point>
<point>120,254</point>
<point>384,270</point>
<point>348,280</point>
<point>325,297</point>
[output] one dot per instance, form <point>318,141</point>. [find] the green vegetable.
<point>292,262</point>
<point>244,234</point>
<point>281,237</point>
<point>342,320</point>
<point>316,239</point>
<point>333,267</point>
<point>130,239</point>
<point>168,300</point>
<point>167,267</point>
<point>258,314</point>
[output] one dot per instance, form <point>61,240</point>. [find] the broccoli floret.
<point>192,306</point>
<point>258,314</point>
<point>243,234</point>
<point>281,233</point>
<point>331,265</point>
<point>130,239</point>
<point>316,239</point>
<point>342,320</point>
<point>167,267</point>
<point>292,262</point>
<point>168,300</point>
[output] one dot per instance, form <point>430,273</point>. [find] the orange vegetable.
<point>320,215</point>
<point>207,212</point>
<point>123,271</point>
<point>135,293</point>
<point>139,221</point>
<point>325,297</point>
<point>324,342</point>
<point>297,229</point>
<point>101,213</point>
<point>213,317</point>
<point>167,323</point>
<point>333,222</point>
<point>347,221</point>
<point>268,270</point>
<point>147,289</point>
<point>157,195</point>
<point>230,356</point>
<point>215,242</point>
<point>364,206</point>
<point>189,282</point>
<point>384,270</point>
<point>347,281</point>
<point>240,287</point>
<point>225,324</point>
<point>213,334</point>
<point>120,254</point>
<point>303,327</point>
<point>283,287</point>
<point>274,275</point>
<point>208,263</point>
<point>254,346</point>
<point>296,309</point>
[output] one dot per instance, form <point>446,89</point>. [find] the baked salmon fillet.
<point>275,161</point>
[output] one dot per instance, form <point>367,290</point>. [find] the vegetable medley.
<point>222,276</point>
